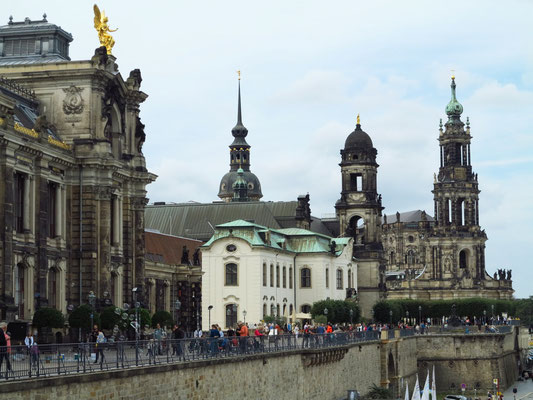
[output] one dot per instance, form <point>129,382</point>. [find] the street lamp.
<point>326,314</point>
<point>244,316</point>
<point>137,305</point>
<point>492,307</point>
<point>390,318</point>
<point>420,314</point>
<point>177,306</point>
<point>351,316</point>
<point>209,310</point>
<point>484,317</point>
<point>92,301</point>
<point>407,316</point>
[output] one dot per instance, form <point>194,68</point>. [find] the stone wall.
<point>321,374</point>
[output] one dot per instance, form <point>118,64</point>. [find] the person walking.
<point>158,336</point>
<point>177,335</point>
<point>5,348</point>
<point>100,342</point>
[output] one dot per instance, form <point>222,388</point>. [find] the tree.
<point>48,317</point>
<point>81,317</point>
<point>163,318</point>
<point>524,311</point>
<point>338,310</point>
<point>109,318</point>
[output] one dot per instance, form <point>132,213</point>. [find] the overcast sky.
<point>308,68</point>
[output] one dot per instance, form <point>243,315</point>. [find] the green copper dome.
<point>454,108</point>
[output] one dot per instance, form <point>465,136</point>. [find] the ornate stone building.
<point>73,187</point>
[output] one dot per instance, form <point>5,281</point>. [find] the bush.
<point>48,317</point>
<point>109,318</point>
<point>162,318</point>
<point>81,317</point>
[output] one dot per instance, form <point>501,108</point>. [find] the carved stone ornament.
<point>73,102</point>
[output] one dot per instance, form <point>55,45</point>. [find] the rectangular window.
<point>19,202</point>
<point>356,182</point>
<point>290,277</point>
<point>327,277</point>
<point>231,274</point>
<point>339,279</point>
<point>264,274</point>
<point>52,209</point>
<point>271,275</point>
<point>305,275</point>
<point>284,277</point>
<point>277,275</point>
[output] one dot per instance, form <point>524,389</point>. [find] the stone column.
<point>26,205</point>
<point>116,221</point>
<point>58,212</point>
<point>120,223</point>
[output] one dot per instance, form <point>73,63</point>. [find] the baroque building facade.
<point>73,187</point>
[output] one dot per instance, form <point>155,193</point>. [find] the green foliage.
<point>48,317</point>
<point>442,308</point>
<point>338,310</point>
<point>81,317</point>
<point>144,317</point>
<point>271,319</point>
<point>109,318</point>
<point>524,310</point>
<point>377,392</point>
<point>162,318</point>
<point>321,319</point>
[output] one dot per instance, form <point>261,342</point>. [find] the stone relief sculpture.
<point>73,102</point>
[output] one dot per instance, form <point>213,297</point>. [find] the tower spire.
<point>454,109</point>
<point>239,113</point>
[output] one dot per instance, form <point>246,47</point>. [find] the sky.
<point>308,68</point>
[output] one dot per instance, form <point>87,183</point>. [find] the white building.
<point>251,271</point>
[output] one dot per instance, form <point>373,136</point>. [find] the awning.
<point>303,316</point>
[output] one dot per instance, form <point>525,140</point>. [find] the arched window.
<point>410,257</point>
<point>291,309</point>
<point>290,278</point>
<point>271,275</point>
<point>264,274</point>
<point>278,311</point>
<point>284,309</point>
<point>305,275</point>
<point>272,309</point>
<point>349,278</point>
<point>231,315</point>
<point>339,279</point>
<point>277,275</point>
<point>284,276</point>
<point>264,310</point>
<point>305,308</point>
<point>463,259</point>
<point>327,277</point>
<point>231,274</point>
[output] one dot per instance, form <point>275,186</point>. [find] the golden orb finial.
<point>453,74</point>
<point>358,120</point>
<point>239,74</point>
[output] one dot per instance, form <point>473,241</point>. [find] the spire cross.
<point>239,74</point>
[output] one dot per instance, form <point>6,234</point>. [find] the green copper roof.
<point>454,109</point>
<point>294,240</point>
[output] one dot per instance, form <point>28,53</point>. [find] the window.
<point>277,275</point>
<point>272,309</point>
<point>305,275</point>
<point>52,288</point>
<point>19,202</point>
<point>231,248</point>
<point>290,277</point>
<point>284,309</point>
<point>271,275</point>
<point>264,310</point>
<point>305,308</point>
<point>278,311</point>
<point>231,315</point>
<point>291,309</point>
<point>349,278</point>
<point>19,290</point>
<point>410,257</point>
<point>264,274</point>
<point>327,277</point>
<point>339,279</point>
<point>52,209</point>
<point>231,274</point>
<point>284,276</point>
<point>463,260</point>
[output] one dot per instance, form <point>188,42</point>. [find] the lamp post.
<point>209,322</point>
<point>177,306</point>
<point>326,314</point>
<point>244,316</point>
<point>351,316</point>
<point>137,305</point>
<point>420,314</point>
<point>492,308</point>
<point>407,316</point>
<point>484,317</point>
<point>92,301</point>
<point>390,318</point>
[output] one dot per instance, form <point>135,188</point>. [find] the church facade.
<point>412,255</point>
<point>73,187</point>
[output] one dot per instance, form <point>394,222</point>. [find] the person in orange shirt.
<point>243,337</point>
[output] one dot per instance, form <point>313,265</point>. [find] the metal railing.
<point>21,362</point>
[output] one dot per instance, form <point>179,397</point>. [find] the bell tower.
<point>460,252</point>
<point>359,214</point>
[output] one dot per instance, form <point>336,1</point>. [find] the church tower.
<point>460,252</point>
<point>239,159</point>
<point>359,214</point>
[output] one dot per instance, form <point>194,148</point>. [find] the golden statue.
<point>101,26</point>
<point>358,120</point>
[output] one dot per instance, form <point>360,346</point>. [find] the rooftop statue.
<point>101,26</point>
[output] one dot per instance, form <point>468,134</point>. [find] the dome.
<point>454,108</point>
<point>358,139</point>
<point>227,181</point>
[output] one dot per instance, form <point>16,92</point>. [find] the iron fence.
<point>21,362</point>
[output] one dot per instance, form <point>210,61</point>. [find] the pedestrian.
<point>158,336</point>
<point>243,336</point>
<point>214,334</point>
<point>177,335</point>
<point>34,351</point>
<point>28,341</point>
<point>5,347</point>
<point>100,343</point>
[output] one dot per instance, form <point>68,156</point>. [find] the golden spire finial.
<point>453,74</point>
<point>358,120</point>
<point>239,74</point>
